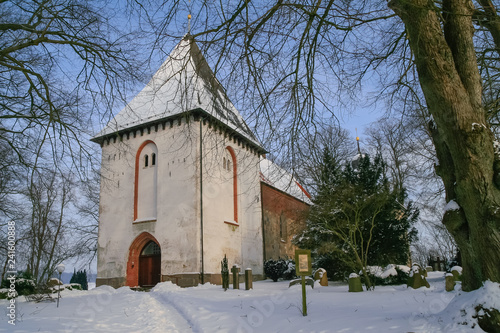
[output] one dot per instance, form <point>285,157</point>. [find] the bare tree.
<point>295,61</point>
<point>46,240</point>
<point>62,64</point>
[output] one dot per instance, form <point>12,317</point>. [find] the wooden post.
<point>248,279</point>
<point>304,303</point>
<point>303,268</point>
<point>236,277</point>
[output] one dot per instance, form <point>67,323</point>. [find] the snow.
<point>269,307</point>
<point>183,82</point>
<point>281,179</point>
<point>476,126</point>
<point>451,205</point>
<point>457,268</point>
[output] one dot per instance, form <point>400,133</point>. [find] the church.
<point>184,182</point>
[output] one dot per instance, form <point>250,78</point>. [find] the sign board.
<point>303,264</point>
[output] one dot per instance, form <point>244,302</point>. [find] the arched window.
<point>231,167</point>
<point>145,186</point>
<point>151,249</point>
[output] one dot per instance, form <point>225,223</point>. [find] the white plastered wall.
<point>242,243</point>
<point>177,220</point>
<point>177,226</point>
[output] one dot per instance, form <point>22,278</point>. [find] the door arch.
<point>150,265</point>
<point>134,258</point>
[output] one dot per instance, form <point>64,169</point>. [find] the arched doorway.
<point>150,265</point>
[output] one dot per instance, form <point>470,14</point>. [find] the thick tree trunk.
<point>449,76</point>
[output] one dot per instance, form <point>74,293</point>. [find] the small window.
<point>224,163</point>
<point>228,164</point>
<point>146,161</point>
<point>153,159</point>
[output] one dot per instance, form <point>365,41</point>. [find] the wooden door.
<point>150,265</point>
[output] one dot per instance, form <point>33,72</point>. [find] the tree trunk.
<point>448,73</point>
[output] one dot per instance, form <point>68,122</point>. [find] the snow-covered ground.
<point>269,307</point>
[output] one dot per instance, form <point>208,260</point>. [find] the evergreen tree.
<point>357,218</point>
<point>81,278</point>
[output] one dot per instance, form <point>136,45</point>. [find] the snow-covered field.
<point>269,307</point>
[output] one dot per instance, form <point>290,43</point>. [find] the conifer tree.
<point>357,218</point>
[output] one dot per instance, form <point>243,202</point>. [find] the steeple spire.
<point>357,141</point>
<point>189,19</point>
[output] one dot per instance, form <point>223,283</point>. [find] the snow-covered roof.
<point>184,82</point>
<point>272,174</point>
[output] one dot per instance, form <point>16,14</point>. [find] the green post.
<point>303,268</point>
<point>304,303</point>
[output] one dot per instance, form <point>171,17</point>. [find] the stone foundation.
<point>182,280</point>
<point>113,282</point>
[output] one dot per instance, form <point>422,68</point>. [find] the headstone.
<point>320,275</point>
<point>248,279</point>
<point>417,278</point>
<point>355,283</point>
<point>428,269</point>
<point>236,277</point>
<point>309,282</point>
<point>449,282</point>
<point>457,273</point>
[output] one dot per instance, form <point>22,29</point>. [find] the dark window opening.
<point>153,159</point>
<point>151,249</point>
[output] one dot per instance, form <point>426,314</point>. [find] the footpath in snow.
<point>270,307</point>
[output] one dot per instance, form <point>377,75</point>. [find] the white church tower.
<point>180,183</point>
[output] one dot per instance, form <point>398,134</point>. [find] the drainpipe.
<point>201,201</point>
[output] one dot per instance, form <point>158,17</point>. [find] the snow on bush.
<point>279,269</point>
<point>451,205</point>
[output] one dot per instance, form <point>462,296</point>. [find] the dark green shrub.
<point>289,273</point>
<point>274,269</point>
<point>25,284</point>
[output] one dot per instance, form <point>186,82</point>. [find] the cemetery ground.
<point>269,307</point>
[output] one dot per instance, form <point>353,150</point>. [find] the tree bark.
<point>448,73</point>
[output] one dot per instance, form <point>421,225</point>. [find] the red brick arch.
<point>133,257</point>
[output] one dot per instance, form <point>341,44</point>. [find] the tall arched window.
<point>231,167</point>
<point>145,190</point>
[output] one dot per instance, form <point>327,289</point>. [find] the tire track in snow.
<point>168,318</point>
<point>167,299</point>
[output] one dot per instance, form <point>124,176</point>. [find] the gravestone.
<point>236,277</point>
<point>308,281</point>
<point>320,275</point>
<point>355,283</point>
<point>248,279</point>
<point>457,273</point>
<point>417,278</point>
<point>449,282</point>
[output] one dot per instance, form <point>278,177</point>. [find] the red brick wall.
<point>278,206</point>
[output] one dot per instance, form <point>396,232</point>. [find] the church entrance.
<point>150,265</point>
